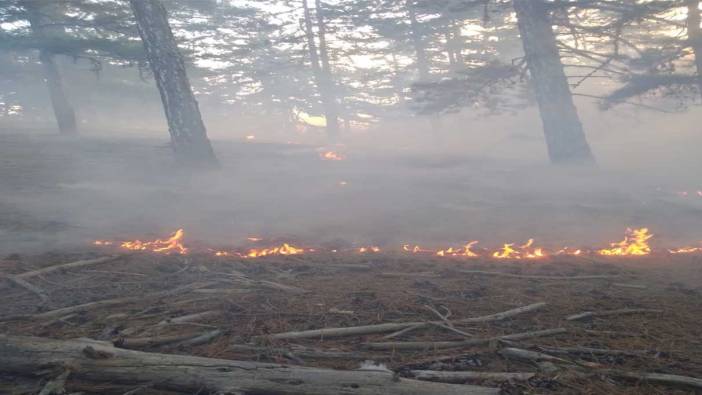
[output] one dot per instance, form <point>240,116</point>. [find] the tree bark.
<point>694,36</point>
<point>565,138</point>
<point>188,134</point>
<point>38,14</point>
<point>101,362</point>
<point>422,64</point>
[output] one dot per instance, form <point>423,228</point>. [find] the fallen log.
<point>440,345</point>
<point>100,362</point>
<point>463,377</point>
<point>393,327</point>
<point>610,313</point>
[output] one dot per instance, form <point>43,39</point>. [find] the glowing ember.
<point>251,137</point>
<point>331,155</point>
<point>413,249</point>
<point>464,251</point>
<point>102,243</point>
<point>364,250</point>
<point>343,183</point>
<point>172,244</point>
<point>254,239</point>
<point>635,243</point>
<point>285,249</point>
<point>525,251</point>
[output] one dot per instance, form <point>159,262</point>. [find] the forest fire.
<point>172,244</point>
<point>464,251</point>
<point>635,243</point>
<point>331,155</point>
<point>284,249</point>
<point>525,251</point>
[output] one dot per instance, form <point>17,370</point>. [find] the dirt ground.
<point>248,300</point>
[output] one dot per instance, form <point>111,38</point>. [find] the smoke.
<point>419,180</point>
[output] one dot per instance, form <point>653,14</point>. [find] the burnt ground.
<point>250,299</point>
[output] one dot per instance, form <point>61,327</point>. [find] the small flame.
<point>250,137</point>
<point>254,239</point>
<point>102,243</point>
<point>331,155</point>
<point>686,250</point>
<point>569,251</point>
<point>285,249</point>
<point>635,243</point>
<point>413,249</point>
<point>465,251</point>
<point>525,251</point>
<point>372,249</point>
<point>172,244</point>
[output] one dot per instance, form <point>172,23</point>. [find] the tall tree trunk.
<point>188,135</point>
<point>321,67</point>
<point>694,35</point>
<point>38,14</point>
<point>422,63</point>
<point>565,138</point>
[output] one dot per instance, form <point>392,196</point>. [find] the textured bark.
<point>101,362</point>
<point>422,64</point>
<point>38,14</point>
<point>188,134</point>
<point>319,57</point>
<point>565,138</point>
<point>694,36</point>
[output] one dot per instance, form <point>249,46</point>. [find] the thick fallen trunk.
<point>98,361</point>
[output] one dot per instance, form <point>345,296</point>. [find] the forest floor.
<point>645,315</point>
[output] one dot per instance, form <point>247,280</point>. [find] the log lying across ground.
<point>396,326</point>
<point>101,362</point>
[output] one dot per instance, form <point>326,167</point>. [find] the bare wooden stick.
<point>97,362</point>
<point>660,378</point>
<point>392,327</point>
<point>463,377</point>
<point>609,313</point>
<point>190,318</point>
<point>142,342</point>
<point>593,351</point>
<point>631,286</point>
<point>118,301</point>
<point>57,385</point>
<point>29,287</point>
<point>410,346</point>
<point>538,277</point>
<point>70,265</point>
<point>518,353</point>
<point>303,352</point>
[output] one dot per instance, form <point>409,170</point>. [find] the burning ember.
<point>172,244</point>
<point>251,137</point>
<point>635,243</point>
<point>331,155</point>
<point>372,249</point>
<point>102,243</point>
<point>686,250</point>
<point>509,251</point>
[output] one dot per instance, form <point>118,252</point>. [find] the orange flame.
<point>635,243</point>
<point>686,250</point>
<point>102,243</point>
<point>464,251</point>
<point>172,244</point>
<point>372,249</point>
<point>568,251</point>
<point>331,155</point>
<point>285,249</point>
<point>525,251</point>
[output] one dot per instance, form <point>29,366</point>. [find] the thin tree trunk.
<point>188,135</point>
<point>321,67</point>
<point>694,35</point>
<point>37,13</point>
<point>422,64</point>
<point>565,138</point>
